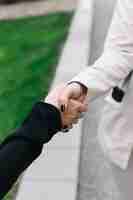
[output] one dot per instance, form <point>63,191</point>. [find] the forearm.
<point>22,147</point>
<point>15,157</point>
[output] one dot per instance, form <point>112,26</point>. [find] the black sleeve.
<point>21,148</point>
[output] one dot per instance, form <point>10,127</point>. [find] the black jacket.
<point>22,147</point>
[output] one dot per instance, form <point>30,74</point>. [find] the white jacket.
<point>114,65</point>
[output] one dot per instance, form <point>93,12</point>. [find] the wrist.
<point>53,102</point>
<point>83,89</point>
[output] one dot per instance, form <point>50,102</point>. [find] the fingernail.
<point>62,108</point>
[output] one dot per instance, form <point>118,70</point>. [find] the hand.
<point>74,108</point>
<point>74,91</point>
<point>73,113</point>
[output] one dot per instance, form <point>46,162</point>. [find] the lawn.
<point>29,52</point>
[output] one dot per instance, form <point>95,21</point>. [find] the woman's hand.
<point>71,114</point>
<point>73,91</point>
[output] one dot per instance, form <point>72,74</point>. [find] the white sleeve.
<point>117,59</point>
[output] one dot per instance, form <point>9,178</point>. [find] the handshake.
<point>71,101</point>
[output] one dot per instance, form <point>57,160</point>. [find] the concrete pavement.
<point>55,174</point>
<point>96,179</point>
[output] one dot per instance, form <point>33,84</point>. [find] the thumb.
<point>83,98</point>
<point>82,107</point>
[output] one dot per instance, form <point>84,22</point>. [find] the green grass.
<point>29,52</point>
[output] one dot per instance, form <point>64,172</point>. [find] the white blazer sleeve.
<point>117,59</point>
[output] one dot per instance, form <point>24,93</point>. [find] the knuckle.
<point>61,99</point>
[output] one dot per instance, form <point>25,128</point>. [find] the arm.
<point>20,149</point>
<point>117,59</point>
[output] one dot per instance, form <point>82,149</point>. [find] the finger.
<point>82,98</point>
<point>64,99</point>
<point>70,126</point>
<point>75,121</point>
<point>77,107</point>
<point>81,107</point>
<point>72,91</point>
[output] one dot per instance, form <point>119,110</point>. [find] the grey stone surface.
<point>54,174</point>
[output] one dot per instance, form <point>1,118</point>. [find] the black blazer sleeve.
<point>22,147</point>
